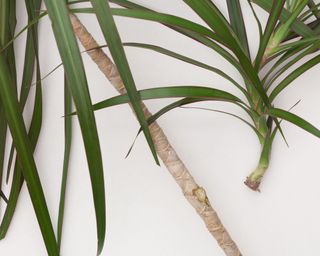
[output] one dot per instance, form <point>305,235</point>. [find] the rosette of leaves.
<point>290,36</point>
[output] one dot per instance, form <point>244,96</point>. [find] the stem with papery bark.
<point>195,194</point>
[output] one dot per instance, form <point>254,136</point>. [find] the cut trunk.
<point>195,194</point>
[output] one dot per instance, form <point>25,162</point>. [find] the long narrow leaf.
<point>171,92</point>
<point>275,12</point>
<point>302,54</point>
<point>29,63</point>
<point>237,23</point>
<point>210,14</point>
<point>187,101</point>
<point>297,26</point>
<point>166,19</point>
<point>295,74</point>
<point>4,38</point>
<point>71,58</point>
<point>31,53</point>
<point>314,9</point>
<point>17,180</point>
<point>246,69</point>
<point>188,60</point>
<point>213,17</point>
<point>66,157</point>
<point>256,18</point>
<point>190,29</point>
<point>113,40</point>
<point>298,121</point>
<point>24,150</point>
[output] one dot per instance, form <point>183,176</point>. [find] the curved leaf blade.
<point>24,150</point>
<point>299,27</point>
<point>71,58</point>
<point>294,75</point>
<point>112,37</point>
<point>171,92</point>
<point>237,23</point>
<point>187,60</point>
<point>275,12</point>
<point>292,118</point>
<point>66,157</point>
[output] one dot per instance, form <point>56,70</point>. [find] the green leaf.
<point>167,19</point>
<point>71,58</point>
<point>187,101</point>
<point>4,38</point>
<point>288,56</point>
<point>237,23</point>
<point>275,12</point>
<point>189,33</point>
<point>284,28</point>
<point>17,181</point>
<point>184,102</point>
<point>30,24</point>
<point>293,75</point>
<point>292,118</point>
<point>297,26</point>
<point>285,47</point>
<point>314,9</point>
<point>66,157</point>
<point>31,54</point>
<point>211,15</point>
<point>3,136</point>
<point>171,92</point>
<point>246,69</point>
<point>24,151</point>
<point>112,37</point>
<point>29,63</point>
<point>15,189</point>
<point>185,27</point>
<point>256,18</point>
<point>188,60</point>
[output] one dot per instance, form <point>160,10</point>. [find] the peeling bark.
<point>195,194</point>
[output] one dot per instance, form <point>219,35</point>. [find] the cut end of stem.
<point>254,180</point>
<point>254,185</point>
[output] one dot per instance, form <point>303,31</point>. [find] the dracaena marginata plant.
<point>290,37</point>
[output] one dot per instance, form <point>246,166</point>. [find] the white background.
<point>146,212</point>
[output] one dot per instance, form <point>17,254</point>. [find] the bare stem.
<point>195,194</point>
<point>254,179</point>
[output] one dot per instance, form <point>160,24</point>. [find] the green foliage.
<point>287,20</point>
<point>290,37</point>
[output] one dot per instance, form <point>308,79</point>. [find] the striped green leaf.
<point>112,37</point>
<point>172,92</point>
<point>66,157</point>
<point>296,120</point>
<point>294,75</point>
<point>275,12</point>
<point>71,58</point>
<point>237,23</point>
<point>24,150</point>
